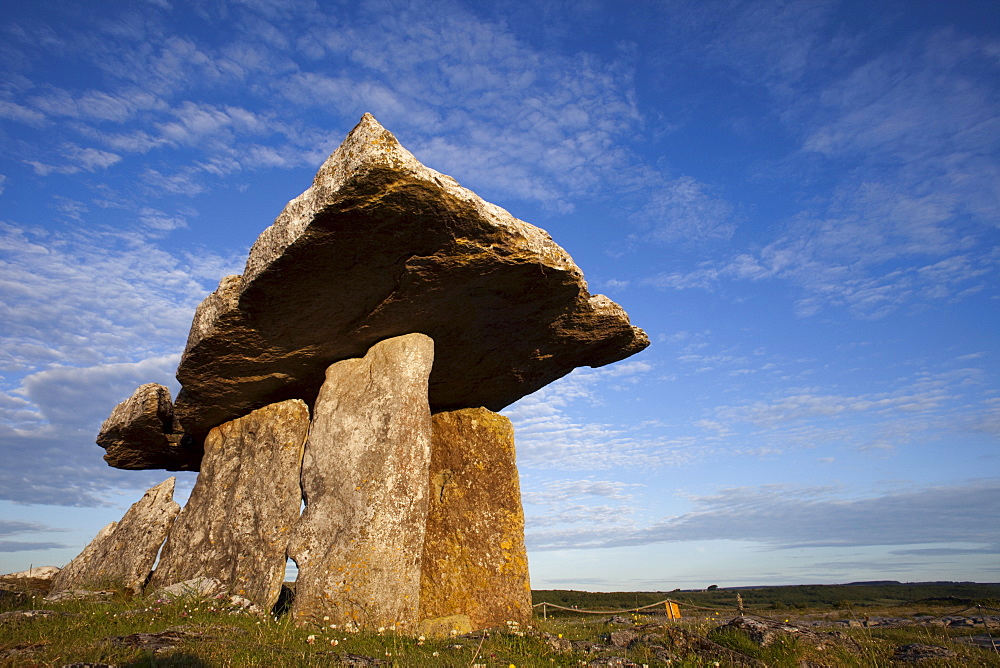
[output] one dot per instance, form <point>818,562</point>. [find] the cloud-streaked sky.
<point>799,201</point>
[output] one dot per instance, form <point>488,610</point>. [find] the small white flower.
<point>311,639</point>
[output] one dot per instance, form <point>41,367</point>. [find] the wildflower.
<point>436,654</point>
<point>334,642</point>
<point>311,639</point>
<point>326,618</point>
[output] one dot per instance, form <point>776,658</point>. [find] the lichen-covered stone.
<point>382,246</point>
<point>237,522</point>
<point>474,560</point>
<point>141,433</point>
<point>358,544</point>
<point>123,553</point>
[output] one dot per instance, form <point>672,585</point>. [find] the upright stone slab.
<point>237,522</point>
<point>474,563</point>
<point>358,544</point>
<point>123,553</point>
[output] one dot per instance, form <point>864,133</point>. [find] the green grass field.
<point>139,632</point>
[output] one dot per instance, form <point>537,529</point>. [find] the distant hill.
<point>856,594</point>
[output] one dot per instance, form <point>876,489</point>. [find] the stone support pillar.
<point>359,542</point>
<point>475,568</point>
<point>236,525</point>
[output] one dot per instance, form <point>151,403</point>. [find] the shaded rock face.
<point>141,433</point>
<point>474,560</point>
<point>237,522</point>
<point>123,553</point>
<point>382,246</point>
<point>359,541</point>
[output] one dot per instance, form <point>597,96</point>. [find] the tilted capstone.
<point>382,246</point>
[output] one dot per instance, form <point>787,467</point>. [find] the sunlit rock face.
<point>382,246</point>
<point>122,554</point>
<point>235,526</point>
<point>141,433</point>
<point>359,542</point>
<point>474,562</point>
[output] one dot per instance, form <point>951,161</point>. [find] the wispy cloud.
<point>551,435</point>
<point>785,517</point>
<point>907,140</point>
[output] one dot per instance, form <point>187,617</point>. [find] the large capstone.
<point>474,565</point>
<point>236,524</point>
<point>141,433</point>
<point>123,553</point>
<point>382,246</point>
<point>359,542</point>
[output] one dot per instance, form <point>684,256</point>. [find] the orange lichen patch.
<point>474,562</point>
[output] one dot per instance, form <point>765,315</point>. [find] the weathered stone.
<point>918,653</point>
<point>236,524</point>
<point>123,553</point>
<point>141,433</point>
<point>474,560</point>
<point>451,625</point>
<point>80,595</point>
<point>381,246</point>
<point>197,587</point>
<point>37,580</point>
<point>358,543</point>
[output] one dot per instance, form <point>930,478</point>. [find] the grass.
<point>208,633</point>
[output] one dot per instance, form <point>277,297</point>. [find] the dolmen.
<point>356,367</point>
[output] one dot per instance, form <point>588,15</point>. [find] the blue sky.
<point>798,201</point>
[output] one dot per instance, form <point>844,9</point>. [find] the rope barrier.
<point>737,610</point>
<point>546,604</point>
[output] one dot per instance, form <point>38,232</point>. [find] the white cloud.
<point>786,517</point>
<point>551,435</point>
<point>20,113</point>
<point>94,297</point>
<point>682,210</point>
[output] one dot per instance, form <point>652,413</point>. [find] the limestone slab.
<point>141,433</point>
<point>358,544</point>
<point>236,524</point>
<point>474,560</point>
<point>123,553</point>
<point>381,246</point>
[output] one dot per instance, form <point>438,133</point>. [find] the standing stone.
<point>141,433</point>
<point>123,553</point>
<point>474,563</point>
<point>237,522</point>
<point>364,478</point>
